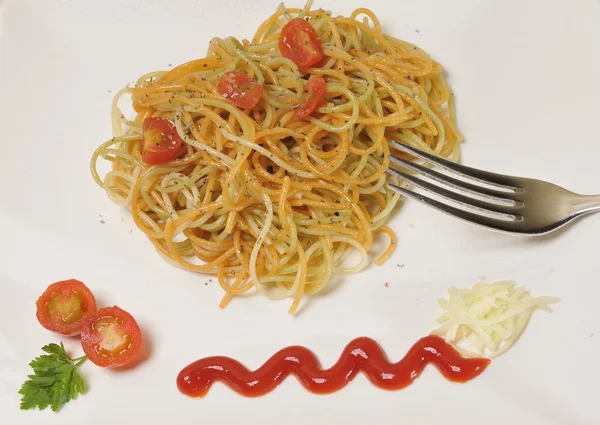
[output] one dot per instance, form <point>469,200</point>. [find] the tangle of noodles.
<point>263,199</point>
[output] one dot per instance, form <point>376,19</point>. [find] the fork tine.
<point>502,225</point>
<point>491,194</point>
<point>504,211</point>
<point>494,179</point>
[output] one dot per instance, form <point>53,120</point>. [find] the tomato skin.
<point>64,307</point>
<point>314,95</point>
<point>242,90</point>
<point>111,337</point>
<point>300,43</point>
<point>161,141</point>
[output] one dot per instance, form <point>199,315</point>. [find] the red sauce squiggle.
<point>362,354</point>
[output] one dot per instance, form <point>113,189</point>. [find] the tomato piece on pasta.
<point>300,43</point>
<point>313,96</point>
<point>162,143</point>
<point>242,90</point>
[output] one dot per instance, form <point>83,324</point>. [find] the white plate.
<point>525,74</point>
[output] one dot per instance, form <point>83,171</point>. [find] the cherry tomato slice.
<point>314,94</point>
<point>111,337</point>
<point>240,89</point>
<point>161,141</point>
<point>64,307</point>
<point>300,43</point>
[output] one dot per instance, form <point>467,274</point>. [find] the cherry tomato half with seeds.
<point>161,141</point>
<point>238,87</point>
<point>64,307</point>
<point>313,96</point>
<point>300,43</point>
<point>111,337</point>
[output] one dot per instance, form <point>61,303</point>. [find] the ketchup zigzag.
<point>362,354</point>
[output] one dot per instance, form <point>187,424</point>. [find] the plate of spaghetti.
<point>218,170</point>
<point>275,170</point>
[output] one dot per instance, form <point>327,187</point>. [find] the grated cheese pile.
<point>489,317</point>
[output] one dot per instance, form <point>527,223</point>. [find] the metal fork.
<point>505,203</point>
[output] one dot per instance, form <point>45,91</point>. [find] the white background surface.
<point>525,74</point>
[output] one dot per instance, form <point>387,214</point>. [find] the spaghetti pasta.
<point>260,197</point>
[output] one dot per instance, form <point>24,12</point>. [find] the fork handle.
<point>587,203</point>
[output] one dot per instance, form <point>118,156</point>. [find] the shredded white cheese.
<point>489,317</point>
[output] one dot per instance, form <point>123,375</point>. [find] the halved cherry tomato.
<point>161,141</point>
<point>240,89</point>
<point>300,43</point>
<point>111,337</point>
<point>64,306</point>
<point>314,94</point>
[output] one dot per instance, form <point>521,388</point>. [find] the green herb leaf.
<point>55,380</point>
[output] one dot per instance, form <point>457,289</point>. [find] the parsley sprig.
<point>55,380</point>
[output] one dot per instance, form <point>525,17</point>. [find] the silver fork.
<point>505,203</point>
